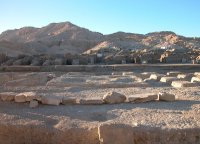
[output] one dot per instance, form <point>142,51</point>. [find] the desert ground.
<point>115,106</point>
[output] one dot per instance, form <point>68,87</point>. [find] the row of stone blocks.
<point>177,79</point>
<point>108,98</point>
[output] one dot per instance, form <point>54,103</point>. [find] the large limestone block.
<point>140,98</point>
<point>51,100</point>
<point>114,97</point>
<point>27,97</point>
<point>115,134</point>
<point>179,84</point>
<point>69,100</point>
<point>166,97</point>
<point>7,96</point>
<point>20,98</point>
<point>173,73</point>
<point>168,79</point>
<point>91,101</point>
<point>156,76</point>
<point>195,79</point>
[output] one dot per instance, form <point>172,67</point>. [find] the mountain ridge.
<point>65,37</point>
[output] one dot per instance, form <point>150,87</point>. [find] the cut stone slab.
<point>179,84</point>
<point>195,79</point>
<point>33,104</point>
<point>29,96</point>
<point>68,100</point>
<point>113,98</point>
<point>115,134</point>
<point>168,79</point>
<point>92,101</point>
<point>156,76</point>
<point>166,97</point>
<point>51,100</point>
<point>127,73</point>
<point>7,96</point>
<point>20,98</point>
<point>184,76</point>
<point>173,73</point>
<point>141,98</point>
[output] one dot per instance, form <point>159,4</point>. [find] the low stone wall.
<point>102,68</point>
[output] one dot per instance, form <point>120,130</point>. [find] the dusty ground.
<point>79,123</point>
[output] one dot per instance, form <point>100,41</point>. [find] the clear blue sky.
<point>105,16</point>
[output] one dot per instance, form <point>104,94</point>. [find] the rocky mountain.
<point>55,38</point>
<point>61,38</point>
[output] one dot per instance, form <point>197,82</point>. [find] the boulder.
<point>166,97</point>
<point>114,97</point>
<point>33,104</point>
<point>92,101</point>
<point>141,98</point>
<point>68,100</point>
<point>179,84</point>
<point>195,79</point>
<point>168,79</point>
<point>7,96</point>
<point>115,134</point>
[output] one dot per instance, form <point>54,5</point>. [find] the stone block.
<point>156,76</point>
<point>51,100</point>
<point>141,98</point>
<point>180,84</point>
<point>69,100</point>
<point>168,79</point>
<point>7,96</point>
<point>91,101</point>
<point>166,97</point>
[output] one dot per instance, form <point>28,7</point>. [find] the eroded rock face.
<point>114,97</point>
<point>166,97</point>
